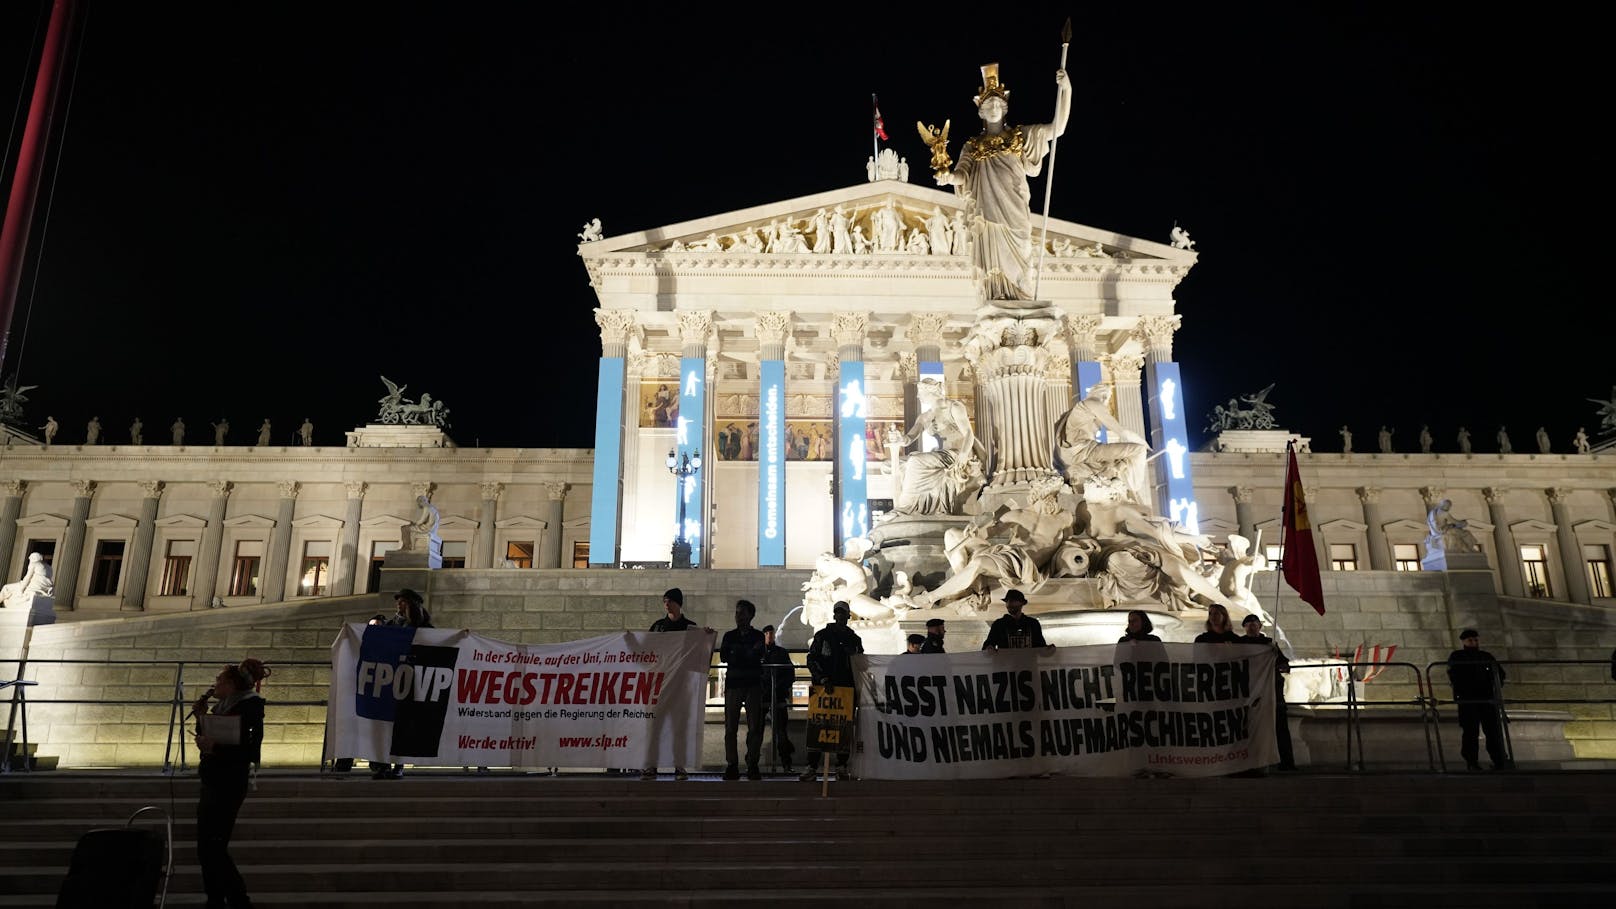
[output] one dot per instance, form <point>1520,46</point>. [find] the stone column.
<point>1570,552</point>
<point>280,544</point>
<point>1509,558</point>
<point>1057,388</point>
<point>1083,352</point>
<point>772,330</point>
<point>346,577</point>
<point>206,583</point>
<point>139,564</point>
<point>67,562</point>
<point>851,517</point>
<point>10,511</point>
<point>550,555</point>
<point>606,491</point>
<point>1130,403</point>
<point>486,529</point>
<point>1010,353</point>
<point>1380,557</point>
<point>1242,512</point>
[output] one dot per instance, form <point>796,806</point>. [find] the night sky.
<point>259,208</point>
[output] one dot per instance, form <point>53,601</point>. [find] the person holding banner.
<point>742,651</point>
<point>411,612</point>
<point>673,602</point>
<point>1014,630</point>
<point>1252,625</point>
<point>780,672</point>
<point>830,661</point>
<point>1218,629</point>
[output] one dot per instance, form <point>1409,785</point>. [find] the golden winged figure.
<point>937,140</point>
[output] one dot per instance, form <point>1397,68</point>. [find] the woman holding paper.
<point>228,736</point>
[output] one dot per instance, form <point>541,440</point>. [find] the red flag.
<point>1301,560</point>
<point>880,128</point>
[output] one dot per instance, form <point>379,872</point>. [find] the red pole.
<point>25,182</point>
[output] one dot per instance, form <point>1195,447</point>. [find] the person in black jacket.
<point>1478,683</point>
<point>1013,629</point>
<point>742,652</point>
<point>225,772</point>
<point>830,661</point>
<point>410,612</point>
<point>1139,628</point>
<point>673,602</point>
<point>935,632</point>
<point>1218,630</point>
<point>1282,725</point>
<point>779,674</point>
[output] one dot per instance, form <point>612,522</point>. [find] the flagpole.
<point>1049,182</point>
<point>875,137</point>
<point>1283,552</point>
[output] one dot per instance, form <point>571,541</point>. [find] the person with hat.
<point>673,604</point>
<point>1013,629</point>
<point>1478,684</point>
<point>830,661</point>
<point>913,643</point>
<point>934,636</point>
<point>1252,625</point>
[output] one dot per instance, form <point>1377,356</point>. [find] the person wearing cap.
<point>1282,727</point>
<point>934,636</point>
<point>778,669</point>
<point>830,661</point>
<point>673,603</point>
<point>913,643</point>
<point>1013,629</point>
<point>1478,684</point>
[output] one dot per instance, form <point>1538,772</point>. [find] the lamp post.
<point>682,466</point>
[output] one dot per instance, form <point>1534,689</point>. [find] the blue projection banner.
<point>1167,401</point>
<point>608,462</point>
<point>691,430</point>
<point>771,542</point>
<point>852,501</point>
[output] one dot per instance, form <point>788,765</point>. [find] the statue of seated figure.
<point>35,582</point>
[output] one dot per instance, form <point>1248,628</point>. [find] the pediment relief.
<point>181,520</point>
<point>523,521</point>
<point>1530,527</point>
<point>317,520</point>
<point>43,519</point>
<point>111,520</point>
<point>249,520</point>
<point>1403,527</point>
<point>1343,526</point>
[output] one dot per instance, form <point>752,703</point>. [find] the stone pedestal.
<point>1261,441</point>
<point>410,568</point>
<point>1442,560</point>
<point>380,435</point>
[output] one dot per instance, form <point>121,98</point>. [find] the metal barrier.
<point>1358,673</point>
<point>1501,703</point>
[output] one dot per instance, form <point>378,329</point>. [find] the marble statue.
<point>1503,442</point>
<point>1346,440</point>
<point>937,232</point>
<point>1607,411</point>
<point>844,578</point>
<point>421,532</point>
<point>936,140</point>
<point>390,402</point>
<point>819,226</point>
<point>861,243</point>
<point>11,401</point>
<point>943,480</point>
<point>220,430</point>
<point>591,231</point>
<point>1031,535</point>
<point>841,240</point>
<point>1260,415</point>
<point>1464,440</point>
<point>1181,238</point>
<point>92,431</point>
<point>50,428</point>
<point>305,433</point>
<point>869,169</point>
<point>1425,439</point>
<point>1543,445</point>
<point>177,431</point>
<point>991,179</point>
<point>1580,443</point>
<point>135,431</point>
<point>1138,556</point>
<point>36,581</point>
<point>887,227</point>
<point>917,244</point>
<point>1386,440</point>
<point>1448,533</point>
<point>1084,458</point>
<point>263,433</point>
<point>1237,564</point>
<point>961,234</point>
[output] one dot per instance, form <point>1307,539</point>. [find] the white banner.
<point>444,697</point>
<point>1107,710</point>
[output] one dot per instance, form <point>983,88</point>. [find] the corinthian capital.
<point>927,328</point>
<point>557,491</point>
<point>1242,494</point>
<point>848,329</point>
<point>1558,495</point>
<point>694,325</point>
<point>1125,367</point>
<point>772,327</point>
<point>1155,333</point>
<point>82,489</point>
<point>356,488</point>
<point>14,487</point>
<point>615,326</point>
<point>289,488</point>
<point>151,488</point>
<point>491,490</point>
<point>1368,495</point>
<point>1432,495</point>
<point>1080,336</point>
<point>1493,494</point>
<point>220,488</point>
<point>908,366</point>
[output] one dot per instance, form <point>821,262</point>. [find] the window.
<point>244,571</point>
<point>378,555</point>
<point>1406,556</point>
<point>580,554</point>
<point>1535,568</point>
<point>519,554</point>
<point>454,554</point>
<point>1275,554</point>
<point>108,566</point>
<point>1597,560</point>
<point>316,573</point>
<point>177,568</point>
<point>1343,557</point>
<point>46,550</point>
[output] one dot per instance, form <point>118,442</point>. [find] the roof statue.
<point>1181,238</point>
<point>591,231</point>
<point>1259,415</point>
<point>1607,412</point>
<point>397,409</point>
<point>11,401</point>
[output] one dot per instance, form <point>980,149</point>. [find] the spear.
<point>1049,183</point>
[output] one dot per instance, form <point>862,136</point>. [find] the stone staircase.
<point>450,839</point>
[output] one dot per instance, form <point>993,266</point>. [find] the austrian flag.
<point>880,127</point>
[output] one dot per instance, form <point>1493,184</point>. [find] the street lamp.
<point>682,466</point>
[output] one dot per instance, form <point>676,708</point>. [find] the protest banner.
<point>455,698</point>
<point>1183,709</point>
